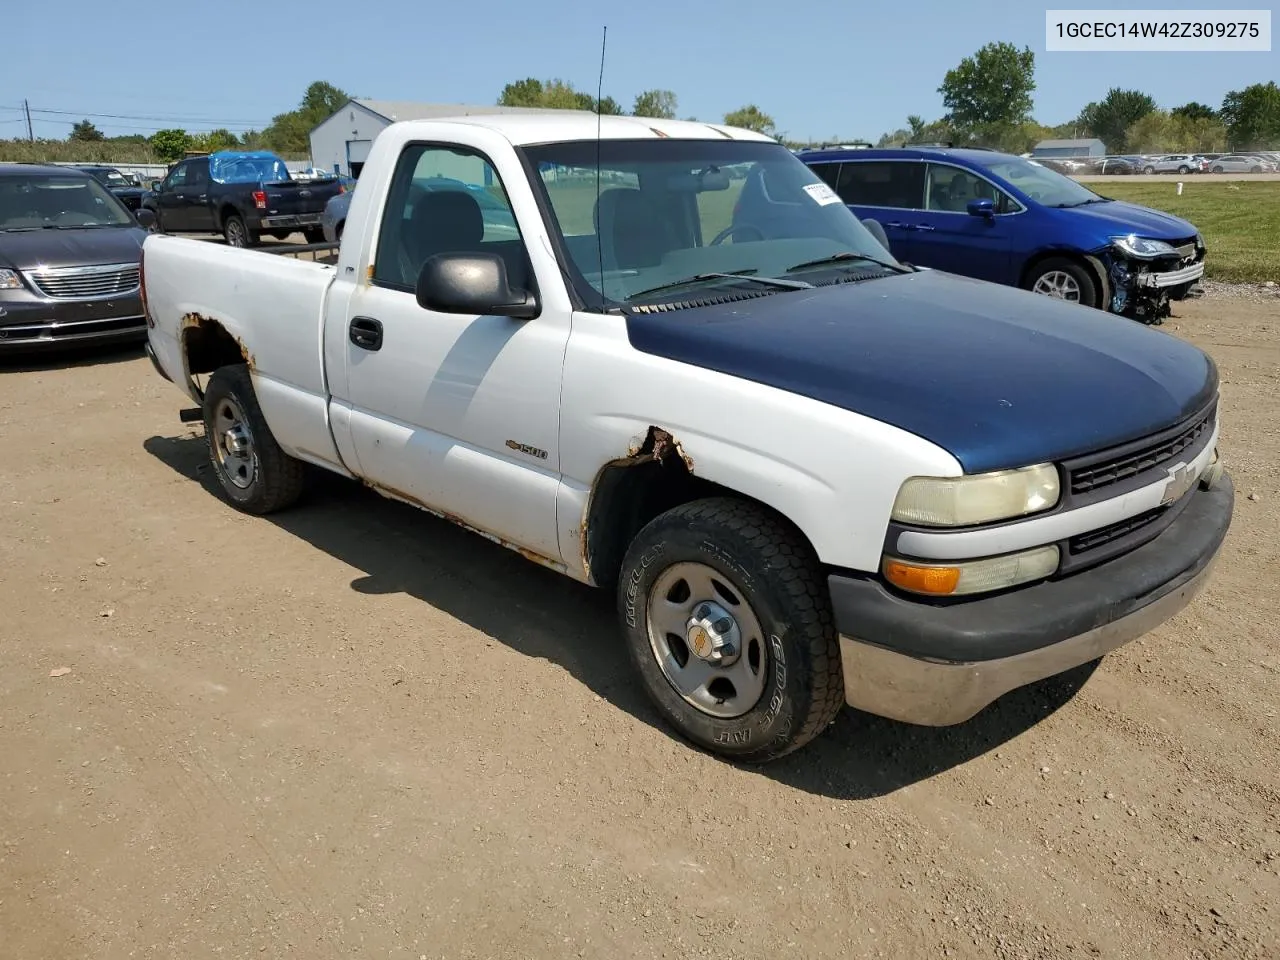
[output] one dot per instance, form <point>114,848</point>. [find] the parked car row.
<point>1183,164</point>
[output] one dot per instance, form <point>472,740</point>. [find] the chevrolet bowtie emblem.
<point>1181,479</point>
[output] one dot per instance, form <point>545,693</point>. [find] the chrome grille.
<point>86,283</point>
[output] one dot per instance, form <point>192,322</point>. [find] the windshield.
<point>246,168</point>
<point>672,212</point>
<point>1041,184</point>
<point>39,201</point>
<point>113,178</point>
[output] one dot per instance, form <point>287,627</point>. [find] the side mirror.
<point>981,208</point>
<point>155,185</point>
<point>146,218</point>
<point>472,283</point>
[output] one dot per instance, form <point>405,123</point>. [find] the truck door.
<point>196,193</point>
<point>174,215</point>
<point>457,412</point>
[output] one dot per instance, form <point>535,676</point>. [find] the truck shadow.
<point>540,613</point>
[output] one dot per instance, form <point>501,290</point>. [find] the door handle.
<point>922,226</point>
<point>900,225</point>
<point>365,332</point>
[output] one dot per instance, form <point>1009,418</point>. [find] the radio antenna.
<point>604,39</point>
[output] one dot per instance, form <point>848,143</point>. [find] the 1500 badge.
<point>525,448</point>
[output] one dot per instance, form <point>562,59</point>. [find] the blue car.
<point>997,217</point>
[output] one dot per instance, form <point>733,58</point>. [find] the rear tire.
<point>1148,170</point>
<point>236,233</point>
<point>724,571</point>
<point>256,476</point>
<point>314,234</point>
<point>1064,279</point>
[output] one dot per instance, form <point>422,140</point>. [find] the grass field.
<point>1240,222</point>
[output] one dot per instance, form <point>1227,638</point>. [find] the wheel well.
<point>206,345</point>
<point>631,491</point>
<point>227,210</point>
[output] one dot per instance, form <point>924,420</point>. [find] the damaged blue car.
<point>1007,219</point>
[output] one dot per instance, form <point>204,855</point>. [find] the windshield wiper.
<point>778,282</point>
<point>1080,203</point>
<point>847,255</point>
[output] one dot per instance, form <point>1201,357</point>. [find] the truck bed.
<point>190,283</point>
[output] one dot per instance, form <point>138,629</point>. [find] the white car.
<point>1182,163</point>
<point>810,474</point>
<point>1241,163</point>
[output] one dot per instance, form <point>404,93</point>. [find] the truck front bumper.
<point>938,665</point>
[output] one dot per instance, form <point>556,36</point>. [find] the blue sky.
<point>820,68</point>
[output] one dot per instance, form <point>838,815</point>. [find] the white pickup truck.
<point>662,357</point>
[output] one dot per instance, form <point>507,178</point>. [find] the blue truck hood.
<point>1119,218</point>
<point>997,376</point>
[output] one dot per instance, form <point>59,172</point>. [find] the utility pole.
<point>27,107</point>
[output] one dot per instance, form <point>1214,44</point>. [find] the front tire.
<point>1064,279</point>
<point>256,476</point>
<point>727,620</point>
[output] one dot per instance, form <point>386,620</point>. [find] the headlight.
<point>9,280</point>
<point>1141,247</point>
<point>971,576</point>
<point>980,498</point>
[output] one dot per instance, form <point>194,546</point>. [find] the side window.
<point>177,176</point>
<point>445,199</point>
<point>829,173</point>
<point>197,176</point>
<point>949,190</point>
<point>882,183</point>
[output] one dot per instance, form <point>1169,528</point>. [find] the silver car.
<point>1183,163</point>
<point>1241,163</point>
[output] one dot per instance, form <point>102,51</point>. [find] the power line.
<point>126,116</point>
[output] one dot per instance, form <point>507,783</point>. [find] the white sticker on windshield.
<point>821,193</point>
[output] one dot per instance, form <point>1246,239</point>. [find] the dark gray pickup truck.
<point>241,195</point>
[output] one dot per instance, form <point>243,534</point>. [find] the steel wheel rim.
<point>1058,284</point>
<point>233,444</point>
<point>690,597</point>
<point>235,233</point>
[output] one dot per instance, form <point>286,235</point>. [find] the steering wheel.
<point>732,229</point>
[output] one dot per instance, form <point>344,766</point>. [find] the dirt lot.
<point>353,730</point>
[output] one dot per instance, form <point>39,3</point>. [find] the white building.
<point>341,143</point>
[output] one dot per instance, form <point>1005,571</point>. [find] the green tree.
<point>214,140</point>
<point>1110,119</point>
<point>991,88</point>
<point>1152,133</point>
<point>751,117</point>
<point>170,145</point>
<point>290,133</point>
<point>608,106</point>
<point>1252,116</point>
<point>522,93</point>
<point>1194,111</point>
<point>86,132</point>
<point>659,104</point>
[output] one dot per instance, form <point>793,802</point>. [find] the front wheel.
<point>1148,170</point>
<point>727,620</point>
<point>254,473</point>
<point>1064,279</point>
<point>1184,170</point>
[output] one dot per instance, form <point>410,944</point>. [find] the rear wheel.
<point>726,618</point>
<point>1064,279</point>
<point>254,473</point>
<point>236,233</point>
<point>1184,170</point>
<point>314,234</point>
<point>1148,169</point>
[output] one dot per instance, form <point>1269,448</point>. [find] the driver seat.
<point>631,234</point>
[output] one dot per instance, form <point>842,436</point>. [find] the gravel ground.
<point>352,730</point>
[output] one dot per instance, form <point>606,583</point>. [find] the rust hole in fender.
<point>208,345</point>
